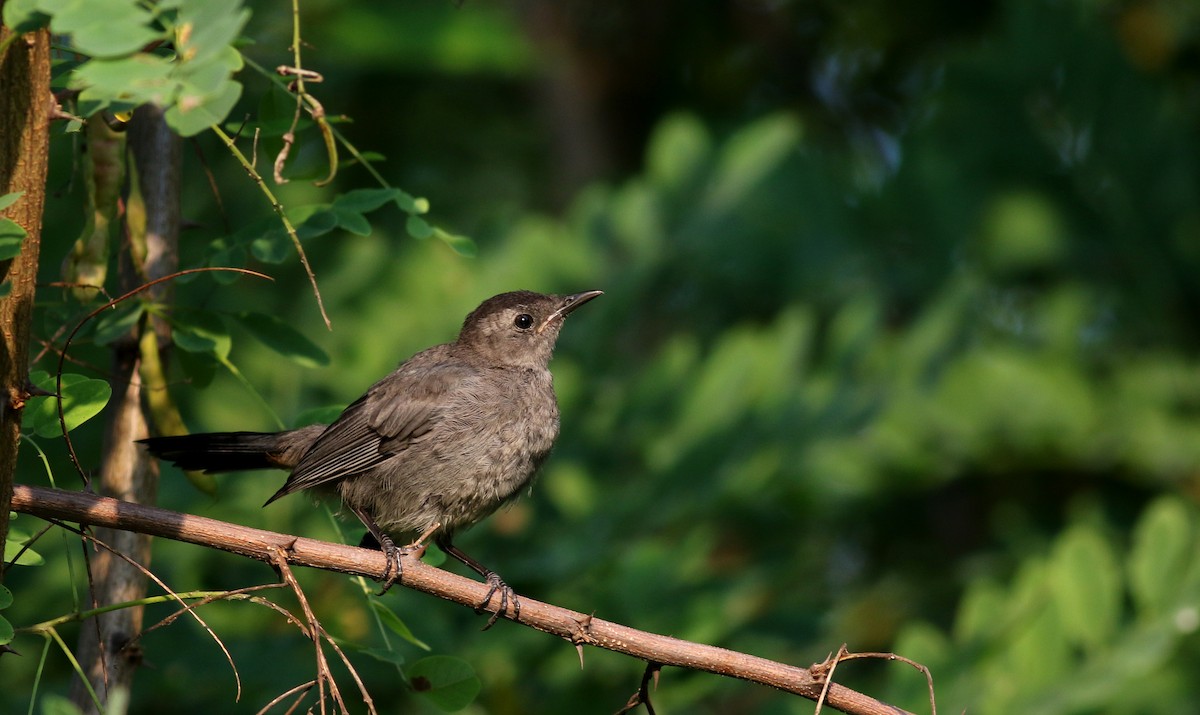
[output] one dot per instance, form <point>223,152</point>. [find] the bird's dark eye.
<point>524,321</point>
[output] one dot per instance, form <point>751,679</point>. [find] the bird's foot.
<point>496,585</point>
<point>395,568</point>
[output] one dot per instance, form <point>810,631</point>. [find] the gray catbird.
<point>453,433</point>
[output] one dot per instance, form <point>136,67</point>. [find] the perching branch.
<point>577,628</point>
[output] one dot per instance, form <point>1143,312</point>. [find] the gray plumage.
<point>439,444</point>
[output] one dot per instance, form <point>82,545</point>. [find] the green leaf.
<point>12,546</point>
<point>678,150</point>
<point>12,237</point>
<point>274,246</point>
<point>363,201</point>
<point>386,656</point>
<point>226,257</point>
<point>418,228</point>
<point>58,705</point>
<point>199,367</point>
<point>461,245</point>
<point>6,597</point>
<point>118,321</point>
<point>449,683</point>
<point>283,339</point>
<point>111,39</point>
<point>201,332</point>
<point>197,110</point>
<point>355,223</point>
<point>132,80</point>
<point>83,398</point>
<point>1086,585</point>
<point>409,203</point>
<point>209,27</point>
<point>6,631</point>
<point>1160,555</point>
<point>22,16</point>
<point>209,77</point>
<point>389,618</point>
<point>9,199</point>
<point>319,223</point>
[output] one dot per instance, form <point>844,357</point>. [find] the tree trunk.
<point>149,251</point>
<point>25,103</point>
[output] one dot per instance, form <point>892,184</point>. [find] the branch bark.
<point>578,628</point>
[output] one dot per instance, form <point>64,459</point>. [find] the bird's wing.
<point>396,411</point>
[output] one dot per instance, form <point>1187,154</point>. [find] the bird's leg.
<point>417,548</point>
<point>493,580</point>
<point>393,553</point>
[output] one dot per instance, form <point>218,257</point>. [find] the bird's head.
<point>519,328</point>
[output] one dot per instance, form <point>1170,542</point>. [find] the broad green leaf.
<point>983,609</point>
<point>386,656</point>
<point>103,28</point>
<point>208,27</point>
<point>319,223</point>
<point>9,199</point>
<point>12,237</point>
<point>680,147</point>
<point>112,39</point>
<point>196,110</point>
<point>461,245</point>
<point>6,597</point>
<point>363,201</point>
<point>274,246</point>
<point>418,228</point>
<point>209,77</point>
<point>12,546</point>
<point>6,631</point>
<point>353,222</point>
<point>22,16</point>
<point>449,683</point>
<point>227,257</point>
<point>1162,549</point>
<point>118,321</point>
<point>395,624</point>
<point>750,157</point>
<point>408,203</point>
<point>199,367</point>
<point>1086,584</point>
<point>201,332</point>
<point>283,339</point>
<point>83,398</point>
<point>58,705</point>
<point>134,80</point>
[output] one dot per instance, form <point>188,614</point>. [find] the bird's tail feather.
<point>220,451</point>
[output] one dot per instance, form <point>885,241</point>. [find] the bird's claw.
<point>507,595</point>
<point>395,568</point>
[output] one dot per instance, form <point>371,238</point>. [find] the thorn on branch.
<point>582,635</point>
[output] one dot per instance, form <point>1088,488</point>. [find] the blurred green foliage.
<point>898,346</point>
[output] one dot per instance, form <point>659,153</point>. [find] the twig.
<point>299,690</point>
<point>62,356</point>
<point>161,584</point>
<point>642,696</point>
<point>844,653</point>
<point>279,211</point>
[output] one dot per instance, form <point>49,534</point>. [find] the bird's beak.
<point>569,303</point>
